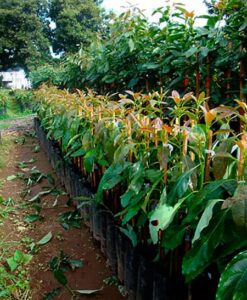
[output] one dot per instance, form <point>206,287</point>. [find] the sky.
<point>149,5</point>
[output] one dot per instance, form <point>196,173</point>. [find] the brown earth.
<point>76,243</point>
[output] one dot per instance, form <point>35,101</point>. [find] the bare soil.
<point>76,243</point>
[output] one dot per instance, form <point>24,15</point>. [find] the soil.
<point>18,124</point>
<point>76,243</point>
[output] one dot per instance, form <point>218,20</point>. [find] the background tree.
<point>23,33</point>
<point>76,21</point>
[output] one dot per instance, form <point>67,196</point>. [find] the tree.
<point>23,33</point>
<point>76,21</point>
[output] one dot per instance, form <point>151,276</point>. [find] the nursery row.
<point>172,52</point>
<point>172,175</point>
<point>19,101</point>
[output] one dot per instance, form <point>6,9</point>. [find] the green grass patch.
<point>18,103</point>
<point>7,142</point>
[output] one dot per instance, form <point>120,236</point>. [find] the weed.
<point>113,280</point>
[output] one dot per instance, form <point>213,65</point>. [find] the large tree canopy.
<point>23,33</point>
<point>75,23</point>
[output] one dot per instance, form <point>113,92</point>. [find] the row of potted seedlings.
<point>165,178</point>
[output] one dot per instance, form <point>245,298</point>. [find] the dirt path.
<point>17,124</point>
<point>68,250</point>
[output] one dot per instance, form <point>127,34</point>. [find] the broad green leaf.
<point>11,177</point>
<point>89,159</point>
<point>31,218</point>
<point>130,213</point>
<point>52,294</point>
<point>13,265</point>
<point>205,218</point>
<point>111,178</point>
<point>79,152</point>
<point>191,51</point>
<point>122,152</point>
<point>233,281</point>
<point>173,236</point>
<point>180,187</point>
<point>45,239</point>
<point>153,175</point>
<point>162,217</point>
<point>202,252</point>
<point>214,190</point>
<point>130,233</point>
<point>131,45</point>
<point>60,277</point>
<point>238,204</point>
<point>17,259</point>
<point>75,263</point>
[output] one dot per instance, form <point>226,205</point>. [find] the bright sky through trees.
<point>120,5</point>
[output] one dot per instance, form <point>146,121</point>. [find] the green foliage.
<point>76,22</point>
<point>233,281</point>
<point>18,259</point>
<point>47,74</point>
<point>23,98</point>
<point>15,103</point>
<point>165,54</point>
<point>23,41</point>
<point>171,169</point>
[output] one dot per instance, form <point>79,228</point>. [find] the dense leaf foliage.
<point>76,22</point>
<point>172,52</point>
<point>156,163</point>
<point>23,33</point>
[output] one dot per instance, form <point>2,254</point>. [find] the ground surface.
<point>19,145</point>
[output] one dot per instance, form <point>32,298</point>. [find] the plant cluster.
<point>174,175</point>
<point>3,101</point>
<point>15,102</point>
<point>172,53</point>
<point>14,282</point>
<point>29,29</point>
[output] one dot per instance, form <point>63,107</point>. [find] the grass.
<point>7,142</point>
<point>14,111</point>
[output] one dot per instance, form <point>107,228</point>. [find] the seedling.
<point>70,219</point>
<point>19,258</point>
<point>60,264</point>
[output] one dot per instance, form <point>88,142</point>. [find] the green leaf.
<point>202,253</point>
<point>233,281</point>
<point>130,233</point>
<point>31,218</point>
<point>131,45</point>
<point>214,190</point>
<point>150,66</point>
<point>75,263</point>
<point>46,239</point>
<point>181,186</point>
<point>60,277</point>
<point>17,259</point>
<point>52,294</point>
<point>190,52</point>
<point>13,265</point>
<point>11,177</point>
<point>89,160</point>
<point>204,51</point>
<point>79,152</point>
<point>162,216</point>
<point>122,152</point>
<point>153,175</point>
<point>111,178</point>
<point>238,204</point>
<point>205,218</point>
